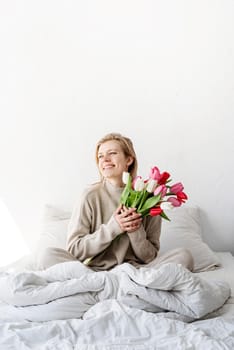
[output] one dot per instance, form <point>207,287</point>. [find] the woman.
<point>102,233</point>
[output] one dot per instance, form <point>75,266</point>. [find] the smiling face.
<point>112,162</point>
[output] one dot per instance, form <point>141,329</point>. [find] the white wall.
<point>160,72</point>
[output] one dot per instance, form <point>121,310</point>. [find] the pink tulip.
<point>154,173</point>
<point>178,187</point>
<point>135,180</point>
<point>174,201</point>
<point>161,189</point>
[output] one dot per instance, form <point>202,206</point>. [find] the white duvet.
<point>69,290</point>
<point>83,315</point>
<point>111,325</point>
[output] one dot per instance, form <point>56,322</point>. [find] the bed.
<point>166,309</point>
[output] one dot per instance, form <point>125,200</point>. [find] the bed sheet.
<point>223,273</point>
<point>111,325</point>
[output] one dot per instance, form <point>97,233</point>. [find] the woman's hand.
<point>128,219</point>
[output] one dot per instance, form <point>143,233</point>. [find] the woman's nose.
<point>106,157</point>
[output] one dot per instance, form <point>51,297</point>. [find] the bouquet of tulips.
<point>154,195</point>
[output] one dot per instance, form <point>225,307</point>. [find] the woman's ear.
<point>129,161</point>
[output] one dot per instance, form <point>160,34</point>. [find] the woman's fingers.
<point>119,209</point>
<point>132,217</point>
<point>126,212</point>
<point>128,219</point>
<point>132,223</point>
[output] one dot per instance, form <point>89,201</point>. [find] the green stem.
<point>143,198</point>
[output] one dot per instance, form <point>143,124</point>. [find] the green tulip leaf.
<point>142,199</point>
<point>126,191</point>
<point>151,202</point>
<point>164,216</point>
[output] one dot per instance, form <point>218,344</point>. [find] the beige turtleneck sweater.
<point>93,229</point>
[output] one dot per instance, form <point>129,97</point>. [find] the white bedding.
<point>69,289</point>
<point>111,324</point>
<point>224,273</point>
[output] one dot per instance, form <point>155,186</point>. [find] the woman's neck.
<point>117,183</point>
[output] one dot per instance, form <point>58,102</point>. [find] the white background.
<point>160,72</point>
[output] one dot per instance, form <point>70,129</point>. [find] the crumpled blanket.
<point>69,289</point>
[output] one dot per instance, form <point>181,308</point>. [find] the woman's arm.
<point>145,240</point>
<point>84,240</point>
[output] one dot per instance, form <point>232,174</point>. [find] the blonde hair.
<point>126,146</point>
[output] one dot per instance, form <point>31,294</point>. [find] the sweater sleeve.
<point>82,242</point>
<point>145,241</point>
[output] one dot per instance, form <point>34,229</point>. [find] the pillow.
<point>54,228</point>
<point>54,233</point>
<point>184,230</point>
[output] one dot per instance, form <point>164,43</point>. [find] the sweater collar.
<point>111,188</point>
